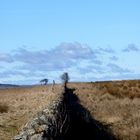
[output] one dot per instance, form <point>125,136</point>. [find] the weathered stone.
<point>36,137</point>
<point>42,128</point>
<point>30,132</point>
<point>31,124</point>
<point>43,119</point>
<point>21,137</point>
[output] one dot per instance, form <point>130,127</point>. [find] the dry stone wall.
<point>49,124</point>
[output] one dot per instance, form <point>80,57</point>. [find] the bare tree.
<point>44,81</point>
<point>65,78</point>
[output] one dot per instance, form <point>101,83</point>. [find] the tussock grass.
<point>19,105</point>
<point>115,104</point>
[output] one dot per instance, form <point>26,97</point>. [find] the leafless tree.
<point>44,81</point>
<point>65,78</point>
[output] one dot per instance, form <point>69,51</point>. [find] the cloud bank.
<point>82,62</point>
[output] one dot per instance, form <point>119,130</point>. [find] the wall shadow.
<point>81,124</point>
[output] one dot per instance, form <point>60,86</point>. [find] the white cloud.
<point>117,69</point>
<point>81,61</point>
<point>63,56</point>
<point>131,47</point>
<point>5,58</point>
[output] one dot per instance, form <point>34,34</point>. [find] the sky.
<point>92,40</point>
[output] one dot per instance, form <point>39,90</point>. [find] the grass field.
<point>18,105</point>
<point>116,104</point>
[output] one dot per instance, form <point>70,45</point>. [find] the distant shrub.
<point>3,108</point>
<point>112,89</point>
<point>125,87</point>
<point>132,83</point>
<point>139,86</point>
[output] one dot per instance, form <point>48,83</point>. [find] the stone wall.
<point>49,124</point>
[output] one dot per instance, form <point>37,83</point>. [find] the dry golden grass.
<point>115,104</point>
<point>18,105</point>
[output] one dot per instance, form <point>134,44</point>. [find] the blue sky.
<point>90,39</point>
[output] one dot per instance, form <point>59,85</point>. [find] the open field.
<point>114,104</point>
<point>18,105</point>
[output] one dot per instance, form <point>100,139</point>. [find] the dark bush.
<point>3,108</point>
